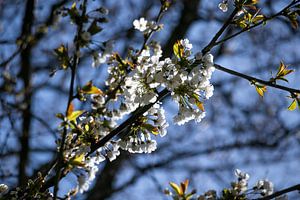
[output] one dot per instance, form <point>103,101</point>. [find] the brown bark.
<point>25,75</point>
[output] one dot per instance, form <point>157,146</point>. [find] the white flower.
<point>104,56</point>
<point>186,44</point>
<point>209,91</point>
<point>265,187</point>
<point>151,146</point>
<point>241,175</point>
<point>223,6</point>
<point>3,189</point>
<point>208,59</point>
<point>146,26</point>
<point>114,152</point>
<point>83,183</point>
<point>242,180</point>
<point>140,24</point>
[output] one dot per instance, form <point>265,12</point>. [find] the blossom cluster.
<point>263,187</point>
<point>239,190</point>
<point>3,189</point>
<point>145,26</point>
<point>152,122</point>
<point>132,83</point>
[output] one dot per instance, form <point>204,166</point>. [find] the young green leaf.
<point>154,130</point>
<point>89,88</point>
<point>75,114</point>
<point>62,55</point>
<point>293,105</point>
<point>261,89</point>
<point>282,72</point>
<point>184,185</point>
<point>200,105</point>
<point>178,49</point>
<point>78,160</point>
<point>176,188</point>
<point>70,109</point>
<point>60,116</point>
<point>74,13</point>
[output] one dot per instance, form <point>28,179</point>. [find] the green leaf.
<point>261,89</point>
<point>178,49</point>
<point>293,105</point>
<point>78,160</point>
<point>75,114</point>
<point>154,130</point>
<point>74,14</point>
<point>189,196</point>
<point>257,18</point>
<point>184,185</point>
<point>70,109</point>
<point>282,72</point>
<point>89,88</point>
<point>200,105</point>
<point>62,55</point>
<point>176,188</point>
<point>293,20</point>
<point>87,127</point>
<point>60,116</point>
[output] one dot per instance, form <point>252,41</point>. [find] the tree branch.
<point>257,24</point>
<point>76,58</point>
<point>251,79</point>
<point>281,192</point>
<point>25,74</point>
<point>211,44</point>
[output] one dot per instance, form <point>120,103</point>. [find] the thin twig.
<point>220,32</point>
<point>253,79</point>
<point>71,94</point>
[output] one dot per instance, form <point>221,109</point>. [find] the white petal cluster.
<point>135,83</point>
<point>223,6</point>
<point>265,187</point>
<point>140,141</point>
<point>3,189</point>
<point>139,86</point>
<point>159,121</point>
<point>188,86</point>
<point>110,151</point>
<point>103,57</point>
<point>242,184</point>
<point>193,88</point>
<point>141,144</point>
<point>145,26</point>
